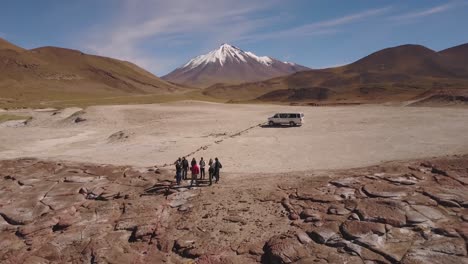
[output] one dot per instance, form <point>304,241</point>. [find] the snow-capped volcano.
<point>229,64</point>
<point>224,53</point>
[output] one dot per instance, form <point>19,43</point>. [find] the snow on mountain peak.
<point>265,59</point>
<point>230,64</point>
<point>227,46</point>
<point>222,54</point>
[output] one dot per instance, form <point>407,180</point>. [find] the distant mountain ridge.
<point>392,74</point>
<point>229,64</point>
<point>52,73</point>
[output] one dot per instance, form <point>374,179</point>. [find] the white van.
<point>292,119</point>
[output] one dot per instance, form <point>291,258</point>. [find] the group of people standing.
<point>182,167</point>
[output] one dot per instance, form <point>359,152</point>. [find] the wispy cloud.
<point>184,21</point>
<point>202,23</point>
<point>320,27</point>
<point>426,12</point>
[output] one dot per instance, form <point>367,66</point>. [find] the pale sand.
<point>331,138</point>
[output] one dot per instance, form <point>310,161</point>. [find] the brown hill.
<point>393,74</point>
<point>51,73</point>
<point>413,59</point>
<point>457,59</point>
<point>313,93</point>
<point>442,97</point>
<point>5,45</point>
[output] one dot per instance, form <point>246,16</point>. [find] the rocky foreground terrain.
<point>396,212</point>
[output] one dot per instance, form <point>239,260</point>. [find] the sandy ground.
<point>331,138</point>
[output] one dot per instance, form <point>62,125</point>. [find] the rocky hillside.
<point>51,73</point>
<point>393,74</point>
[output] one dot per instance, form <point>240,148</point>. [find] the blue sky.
<point>162,35</point>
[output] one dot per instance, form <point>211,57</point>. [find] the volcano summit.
<point>229,64</point>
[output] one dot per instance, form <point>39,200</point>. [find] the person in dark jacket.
<point>194,161</point>
<point>185,167</point>
<point>211,170</point>
<point>202,168</point>
<point>178,165</point>
<point>217,167</point>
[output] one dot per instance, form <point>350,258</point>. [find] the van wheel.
<point>292,123</point>
<point>271,123</point>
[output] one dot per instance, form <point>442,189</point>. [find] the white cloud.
<point>425,12</point>
<point>321,27</point>
<point>183,21</point>
<point>201,24</point>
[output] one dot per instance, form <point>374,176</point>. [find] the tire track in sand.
<point>219,141</point>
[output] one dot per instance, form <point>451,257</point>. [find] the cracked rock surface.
<point>396,212</point>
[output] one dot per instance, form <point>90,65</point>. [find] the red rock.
<point>452,196</point>
<point>346,182</point>
<point>356,229</point>
<point>393,246</point>
<point>429,233</point>
<point>338,210</point>
<point>293,216</point>
<point>346,193</point>
<point>35,260</point>
<point>380,211</point>
<point>309,213</point>
<point>462,229</point>
<point>419,256</point>
<point>415,217</point>
<point>224,259</point>
<point>385,190</point>
<point>284,249</point>
<point>5,226</point>
<point>45,223</point>
<point>430,212</point>
<point>408,180</point>
<point>317,196</point>
<point>303,237</point>
<point>324,232</point>
<point>447,245</point>
<point>366,254</point>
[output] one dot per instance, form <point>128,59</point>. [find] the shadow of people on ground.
<point>169,187</point>
<point>277,126</point>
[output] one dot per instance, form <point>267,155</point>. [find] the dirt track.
<point>146,135</point>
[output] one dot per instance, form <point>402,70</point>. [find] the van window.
<point>283,115</point>
<point>276,116</point>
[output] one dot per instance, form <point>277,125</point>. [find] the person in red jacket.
<point>195,171</point>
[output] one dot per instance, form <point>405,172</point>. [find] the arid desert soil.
<point>352,185</point>
<point>148,135</point>
<point>398,212</point>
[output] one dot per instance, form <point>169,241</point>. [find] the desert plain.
<point>353,184</point>
<point>157,134</point>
